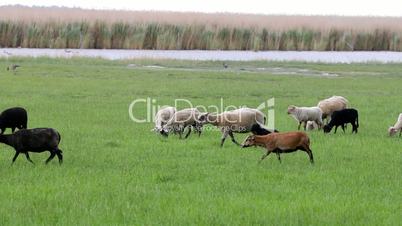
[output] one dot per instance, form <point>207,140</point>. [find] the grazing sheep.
<point>162,117</point>
<point>13,118</point>
<point>258,129</point>
<point>342,117</point>
<point>304,114</point>
<point>238,121</point>
<point>398,126</point>
<point>331,104</point>
<point>281,143</point>
<point>34,140</point>
<point>183,119</point>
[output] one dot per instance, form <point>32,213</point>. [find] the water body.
<point>216,55</point>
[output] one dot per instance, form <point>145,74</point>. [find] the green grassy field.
<point>117,172</point>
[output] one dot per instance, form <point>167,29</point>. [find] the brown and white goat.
<point>281,143</point>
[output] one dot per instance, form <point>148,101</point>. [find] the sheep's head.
<point>165,130</point>
<point>291,109</point>
<point>327,129</point>
<point>203,118</point>
<point>164,133</point>
<point>391,131</point>
<point>160,130</point>
<point>249,141</point>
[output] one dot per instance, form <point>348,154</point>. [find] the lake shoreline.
<point>212,55</point>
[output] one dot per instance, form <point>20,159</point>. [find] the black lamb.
<point>34,140</point>
<point>13,118</point>
<point>257,129</point>
<point>341,118</point>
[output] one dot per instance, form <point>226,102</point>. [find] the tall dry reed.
<point>77,28</point>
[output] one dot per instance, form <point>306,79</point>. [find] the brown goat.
<point>281,143</point>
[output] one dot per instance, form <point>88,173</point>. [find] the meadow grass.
<point>52,27</point>
<point>117,172</point>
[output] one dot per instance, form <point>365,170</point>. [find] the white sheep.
<point>304,114</point>
<point>236,121</point>
<point>392,130</point>
<point>162,117</point>
<point>183,119</point>
<point>331,104</point>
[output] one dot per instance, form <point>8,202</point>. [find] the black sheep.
<point>13,118</point>
<point>257,129</point>
<point>34,140</point>
<point>341,118</point>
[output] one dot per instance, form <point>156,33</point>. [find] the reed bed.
<point>78,28</point>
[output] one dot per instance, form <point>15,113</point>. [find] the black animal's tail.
<point>59,136</point>
<point>59,141</point>
<point>357,120</point>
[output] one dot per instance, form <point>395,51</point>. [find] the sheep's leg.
<point>28,158</point>
<point>188,133</point>
<point>224,135</point>
<point>307,149</point>
<point>305,125</point>
<point>265,155</point>
<point>15,156</point>
<point>343,128</point>
<point>2,130</point>
<point>279,157</point>
<point>298,128</point>
<point>52,154</point>
<point>181,130</point>
<point>310,154</point>
<point>199,129</point>
<point>400,132</point>
<point>233,139</point>
<point>12,129</point>
<point>336,127</point>
<point>320,124</point>
<point>354,128</point>
<point>59,155</point>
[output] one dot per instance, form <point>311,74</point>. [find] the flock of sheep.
<point>334,110</point>
<point>28,140</point>
<point>169,120</point>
